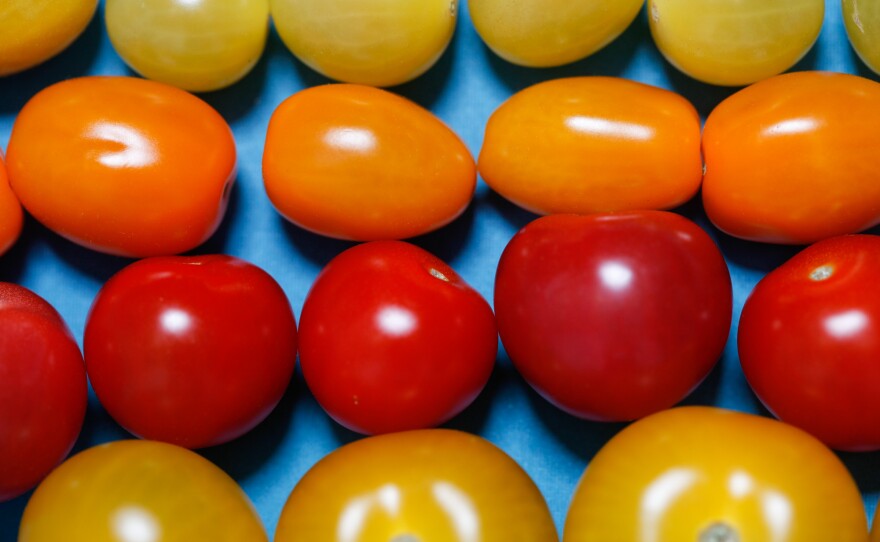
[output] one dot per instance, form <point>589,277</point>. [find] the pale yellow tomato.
<point>734,43</point>
<point>197,45</point>
<point>541,33</point>
<point>862,18</point>
<point>380,42</point>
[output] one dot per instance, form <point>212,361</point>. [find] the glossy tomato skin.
<point>411,345</point>
<point>11,216</point>
<point>195,350</point>
<point>613,316</point>
<point>693,472</point>
<point>359,163</point>
<point>808,341</point>
<point>43,390</point>
<point>795,158</point>
<point>566,146</point>
<point>862,20</point>
<point>433,484</point>
<point>123,165</point>
<point>139,490</point>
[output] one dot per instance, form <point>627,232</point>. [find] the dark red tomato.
<point>809,341</point>
<point>194,350</point>
<point>391,338</point>
<point>43,390</point>
<point>613,316</point>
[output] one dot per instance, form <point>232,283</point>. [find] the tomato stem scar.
<point>437,274</point>
<point>822,272</point>
<point>405,538</point>
<point>718,532</point>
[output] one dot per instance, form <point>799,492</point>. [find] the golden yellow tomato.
<point>416,486</point>
<point>734,43</point>
<point>11,216</point>
<point>380,42</point>
<point>862,19</point>
<point>703,474</point>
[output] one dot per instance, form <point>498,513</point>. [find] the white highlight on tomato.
<point>615,275</point>
<point>134,524</point>
<point>130,147</point>
<point>351,139</point>
<point>175,321</point>
<point>603,127</point>
<point>396,321</point>
<point>460,509</point>
<point>846,324</point>
<point>660,495</point>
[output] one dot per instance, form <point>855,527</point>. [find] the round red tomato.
<point>194,350</point>
<point>613,316</point>
<point>42,390</point>
<point>391,338</point>
<point>809,341</point>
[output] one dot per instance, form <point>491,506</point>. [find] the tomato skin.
<point>412,345</point>
<point>42,390</point>
<point>566,146</point>
<point>862,20</point>
<point>359,163</point>
<point>195,351</point>
<point>11,216</point>
<point>613,316</point>
<point>674,475</point>
<point>433,484</point>
<point>795,158</point>
<point>809,345</point>
<point>120,177</point>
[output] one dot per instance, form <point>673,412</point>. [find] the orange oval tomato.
<point>875,531</point>
<point>11,216</point>
<point>593,144</point>
<point>703,474</point>
<point>795,158</point>
<point>123,165</point>
<point>432,484</point>
<point>356,162</point>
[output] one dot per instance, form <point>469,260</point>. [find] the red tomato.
<point>42,390</point>
<point>613,316</point>
<point>11,217</point>
<point>809,341</point>
<point>391,338</point>
<point>194,350</point>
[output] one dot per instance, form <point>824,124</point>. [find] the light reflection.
<point>615,275</point>
<point>396,321</point>
<point>460,509</point>
<point>792,127</point>
<point>609,128</point>
<point>661,495</point>
<point>352,519</point>
<point>136,149</point>
<point>134,524</point>
<point>351,139</point>
<point>777,511</point>
<point>740,484</point>
<point>846,324</point>
<point>175,321</point>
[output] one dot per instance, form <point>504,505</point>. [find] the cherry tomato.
<point>794,159</point>
<point>702,474</point>
<point>566,146</point>
<point>139,491</point>
<point>380,43</point>
<point>166,40</point>
<point>11,217</point>
<point>35,31</point>
<point>360,163</point>
<point>541,33</point>
<point>195,351</point>
<point>434,484</point>
<point>613,316</point>
<point>809,341</point>
<point>42,390</point>
<point>122,165</point>
<point>412,345</point>
<point>875,531</point>
<point>734,43</point>
<point>862,19</point>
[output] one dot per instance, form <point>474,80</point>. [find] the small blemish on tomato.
<point>437,274</point>
<point>822,272</point>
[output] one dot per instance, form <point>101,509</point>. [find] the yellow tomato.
<point>139,491</point>
<point>33,31</point>
<point>11,216</point>
<point>542,33</point>
<point>428,485</point>
<point>734,43</point>
<point>379,43</point>
<point>703,474</point>
<point>862,18</point>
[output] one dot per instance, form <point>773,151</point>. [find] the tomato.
<point>380,43</point>
<point>862,19</point>
<point>11,217</point>
<point>139,491</point>
<point>613,316</point>
<point>166,40</point>
<point>794,159</point>
<point>809,341</point>
<point>35,31</point>
<point>42,390</point>
<point>566,146</point>
<point>734,43</point>
<point>360,163</point>
<point>433,484</point>
<point>542,33</point>
<point>195,350</point>
<point>702,474</point>
<point>122,165</point>
<point>875,531</point>
<point>412,345</point>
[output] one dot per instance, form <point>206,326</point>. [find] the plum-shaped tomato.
<point>11,216</point>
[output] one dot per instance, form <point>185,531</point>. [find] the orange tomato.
<point>433,484</point>
<point>875,531</point>
<point>356,162</point>
<point>11,217</point>
<point>703,474</point>
<point>795,158</point>
<point>123,165</point>
<point>593,144</point>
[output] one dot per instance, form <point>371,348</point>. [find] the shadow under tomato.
<point>318,249</point>
<point>426,88</point>
<point>865,468</point>
<point>12,263</point>
<point>10,514</point>
<point>94,264</point>
<point>514,215</point>
<point>447,242</point>
<point>219,243</point>
<point>703,96</point>
<point>242,97</point>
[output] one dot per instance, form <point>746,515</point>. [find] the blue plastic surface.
<point>463,89</point>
